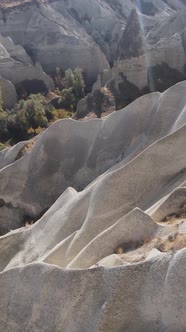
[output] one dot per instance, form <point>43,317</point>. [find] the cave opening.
<point>28,87</point>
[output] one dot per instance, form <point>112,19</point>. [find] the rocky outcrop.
<point>93,212</point>
<point>105,299</point>
<point>16,70</point>
<point>132,41</point>
<point>148,60</point>
<point>169,51</point>
<point>132,218</point>
<point>88,34</point>
<point>88,149</point>
<point>173,24</point>
<point>90,31</point>
<point>159,66</point>
<point>53,38</point>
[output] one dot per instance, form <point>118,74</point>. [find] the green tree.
<point>67,99</point>
<point>3,121</point>
<point>32,112</point>
<point>69,78</point>
<point>3,126</point>
<point>2,146</point>
<point>79,84</point>
<point>1,102</point>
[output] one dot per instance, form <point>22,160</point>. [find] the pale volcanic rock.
<point>16,67</point>
<point>87,149</point>
<point>53,38</point>
<point>8,93</point>
<point>167,28</point>
<point>93,212</point>
<point>135,69</point>
<point>112,250</point>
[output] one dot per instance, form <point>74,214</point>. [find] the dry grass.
<point>135,252</point>
<point>28,224</point>
<point>173,242</point>
<point>128,246</point>
<point>119,250</point>
<point>26,148</point>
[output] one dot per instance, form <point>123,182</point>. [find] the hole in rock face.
<point>29,221</point>
<point>27,87</point>
<point>128,246</point>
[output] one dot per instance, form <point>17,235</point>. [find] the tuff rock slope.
<point>42,34</point>
<point>109,253</point>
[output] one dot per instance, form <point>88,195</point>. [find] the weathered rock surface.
<point>8,93</point>
<point>87,150</point>
<point>120,240</point>
<point>90,31</point>
<point>173,24</point>
<point>55,36</point>
<point>131,43</point>
<point>90,35</point>
<point>16,68</point>
<point>144,297</point>
<point>93,213</point>
<point>150,60</point>
<point>168,51</point>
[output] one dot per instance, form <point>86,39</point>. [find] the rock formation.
<point>93,212</point>
<point>150,56</point>
<point>131,43</point>
<point>116,197</point>
<point>54,36</point>
<point>95,34</point>
<point>17,69</point>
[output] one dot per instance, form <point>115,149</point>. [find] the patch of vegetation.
<point>31,116</point>
<point>2,146</point>
<point>70,87</point>
<point>28,118</point>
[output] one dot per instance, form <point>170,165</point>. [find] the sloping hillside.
<point>115,189</point>
<point>93,212</point>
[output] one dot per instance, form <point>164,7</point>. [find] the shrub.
<point>31,116</point>
<point>3,125</point>
<point>2,146</point>
<point>62,114</point>
<point>3,121</point>
<point>73,88</point>
<point>69,78</point>
<point>67,99</point>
